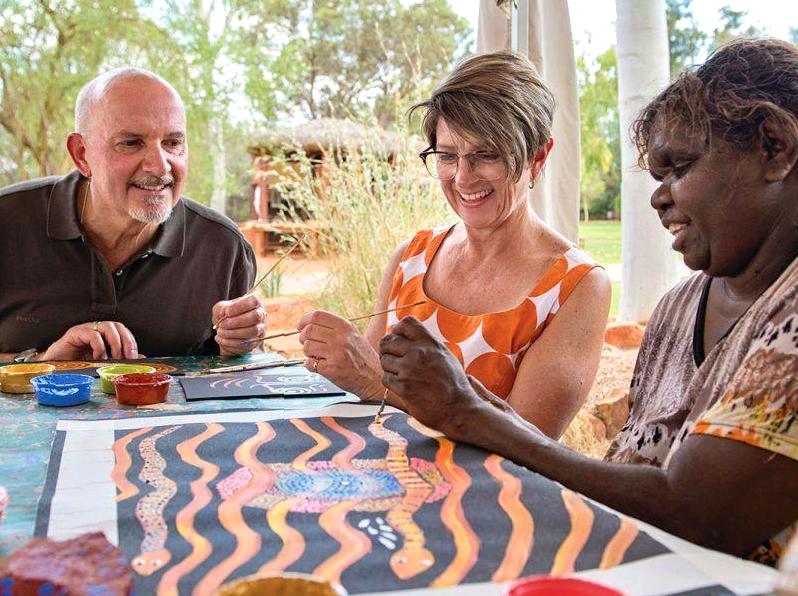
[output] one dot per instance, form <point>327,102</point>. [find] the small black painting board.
<point>258,384</point>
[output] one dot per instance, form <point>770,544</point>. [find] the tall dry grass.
<point>367,204</point>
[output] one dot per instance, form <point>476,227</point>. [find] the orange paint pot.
<point>15,378</point>
<point>142,389</point>
<point>546,585</point>
<point>283,584</point>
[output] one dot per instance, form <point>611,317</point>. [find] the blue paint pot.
<point>62,390</point>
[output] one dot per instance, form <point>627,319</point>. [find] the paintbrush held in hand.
<point>265,275</point>
<point>352,320</point>
<point>245,367</point>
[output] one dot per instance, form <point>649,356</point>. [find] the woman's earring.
<point>531,183</point>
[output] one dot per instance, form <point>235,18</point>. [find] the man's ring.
<point>315,365</point>
<point>95,325</point>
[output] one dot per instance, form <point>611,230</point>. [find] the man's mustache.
<point>153,181</point>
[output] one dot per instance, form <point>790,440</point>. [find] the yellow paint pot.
<point>284,584</point>
<point>109,373</point>
<point>15,378</point>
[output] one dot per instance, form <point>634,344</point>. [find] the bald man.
<point>111,261</point>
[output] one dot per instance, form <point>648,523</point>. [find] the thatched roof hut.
<point>319,136</point>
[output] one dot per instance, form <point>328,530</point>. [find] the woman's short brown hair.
<point>744,84</point>
<point>497,99</point>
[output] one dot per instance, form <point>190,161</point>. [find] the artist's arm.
<point>335,347</point>
<point>557,371</point>
<point>720,493</point>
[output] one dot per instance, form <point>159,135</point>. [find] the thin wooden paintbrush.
<point>244,367</point>
<point>265,275</point>
<point>352,320</point>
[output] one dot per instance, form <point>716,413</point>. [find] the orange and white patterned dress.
<point>491,346</point>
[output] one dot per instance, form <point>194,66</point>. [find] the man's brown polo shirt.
<point>52,278</point>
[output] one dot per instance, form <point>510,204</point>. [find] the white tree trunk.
<point>649,265</point>
<point>219,193</point>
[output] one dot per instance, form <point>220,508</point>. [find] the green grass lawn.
<point>602,240</point>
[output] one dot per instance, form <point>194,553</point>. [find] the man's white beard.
<point>156,212</point>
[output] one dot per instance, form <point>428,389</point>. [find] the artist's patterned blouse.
<point>491,346</point>
<point>745,389</point>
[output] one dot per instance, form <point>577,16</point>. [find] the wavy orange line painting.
<point>201,547</point>
<point>465,541</point>
<point>230,516</point>
<point>354,545</point>
<point>293,543</point>
<point>519,546</point>
<point>375,505</point>
<point>619,544</point>
<point>122,463</point>
<point>581,522</point>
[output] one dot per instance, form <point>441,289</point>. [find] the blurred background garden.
<point>261,79</point>
<point>246,67</point>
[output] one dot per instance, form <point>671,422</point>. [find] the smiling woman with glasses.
<point>521,309</point>
<point>484,165</point>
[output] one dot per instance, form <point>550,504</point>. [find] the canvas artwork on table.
<point>194,501</point>
<point>242,385</point>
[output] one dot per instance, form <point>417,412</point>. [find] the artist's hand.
<point>240,324</point>
<point>336,349</point>
<point>427,377</point>
<point>96,341</point>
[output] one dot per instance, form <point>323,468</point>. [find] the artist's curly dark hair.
<point>742,85</point>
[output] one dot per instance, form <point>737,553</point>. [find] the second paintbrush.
<point>352,320</point>
<point>265,275</point>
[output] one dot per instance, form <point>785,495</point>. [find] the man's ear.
<point>779,151</point>
<point>77,151</point>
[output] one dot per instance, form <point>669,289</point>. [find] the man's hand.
<point>96,341</point>
<point>426,376</point>
<point>240,324</point>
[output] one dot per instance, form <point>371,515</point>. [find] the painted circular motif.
<point>70,364</point>
<point>339,485</point>
<point>161,368</point>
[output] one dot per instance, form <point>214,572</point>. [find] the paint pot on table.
<point>545,585</point>
<point>142,389</point>
<point>62,390</point>
<point>283,584</point>
<point>15,378</point>
<point>3,501</point>
<point>109,373</point>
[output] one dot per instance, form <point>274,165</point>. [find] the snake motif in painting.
<point>150,508</point>
<point>396,484</point>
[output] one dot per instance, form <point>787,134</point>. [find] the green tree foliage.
<point>356,57</point>
<point>598,84</point>
<point>732,27</point>
<point>239,64</point>
<point>685,39</point>
<point>50,49</point>
<point>598,112</point>
<point>689,45</point>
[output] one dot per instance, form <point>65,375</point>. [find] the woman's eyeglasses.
<point>484,165</point>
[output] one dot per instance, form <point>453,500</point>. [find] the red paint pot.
<point>142,389</point>
<point>544,585</point>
